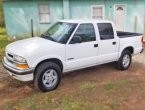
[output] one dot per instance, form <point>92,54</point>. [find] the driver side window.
<point>85,32</point>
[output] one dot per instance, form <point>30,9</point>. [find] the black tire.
<point>120,65</point>
<point>40,70</point>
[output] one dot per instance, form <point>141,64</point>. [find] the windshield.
<point>60,32</point>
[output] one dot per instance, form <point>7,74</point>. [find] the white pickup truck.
<point>70,45</point>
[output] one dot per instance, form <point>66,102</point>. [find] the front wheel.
<point>47,76</point>
<point>125,60</point>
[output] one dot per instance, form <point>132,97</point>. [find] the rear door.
<point>108,43</point>
<point>83,54</point>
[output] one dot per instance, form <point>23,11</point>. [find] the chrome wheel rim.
<point>126,60</point>
<point>49,78</point>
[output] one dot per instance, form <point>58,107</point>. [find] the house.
<point>24,17</point>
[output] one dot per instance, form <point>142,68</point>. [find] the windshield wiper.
<point>47,37</point>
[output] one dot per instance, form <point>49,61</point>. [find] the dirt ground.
<point>96,88</point>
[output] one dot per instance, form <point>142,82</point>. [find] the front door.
<point>120,17</point>
<point>83,54</point>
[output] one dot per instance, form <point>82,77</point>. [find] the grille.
<point>10,58</point>
<point>10,55</point>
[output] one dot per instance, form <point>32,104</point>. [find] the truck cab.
<point>98,44</point>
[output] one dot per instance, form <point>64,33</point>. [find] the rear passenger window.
<point>86,32</point>
<point>105,31</point>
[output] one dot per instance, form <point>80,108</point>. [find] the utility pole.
<point>32,33</point>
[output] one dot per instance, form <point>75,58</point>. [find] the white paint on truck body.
<point>74,56</point>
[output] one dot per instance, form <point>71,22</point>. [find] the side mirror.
<point>76,39</point>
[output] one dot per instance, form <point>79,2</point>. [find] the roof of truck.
<point>84,21</point>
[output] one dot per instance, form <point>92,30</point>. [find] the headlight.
<point>19,59</point>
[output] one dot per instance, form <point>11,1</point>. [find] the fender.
<point>123,48</point>
<point>46,58</point>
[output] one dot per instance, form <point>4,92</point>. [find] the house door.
<point>120,17</point>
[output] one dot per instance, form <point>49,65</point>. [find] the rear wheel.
<point>125,60</point>
<point>47,76</point>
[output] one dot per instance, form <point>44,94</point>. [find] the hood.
<point>30,45</point>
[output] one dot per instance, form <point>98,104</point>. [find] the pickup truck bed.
<point>121,34</point>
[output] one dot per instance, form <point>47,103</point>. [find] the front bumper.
<point>17,71</point>
<point>19,74</point>
<point>27,77</point>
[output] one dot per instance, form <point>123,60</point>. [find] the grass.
<point>109,86</point>
<point>88,96</point>
<point>3,42</point>
<point>87,85</point>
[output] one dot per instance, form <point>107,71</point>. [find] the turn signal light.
<point>22,66</point>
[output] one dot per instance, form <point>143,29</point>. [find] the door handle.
<point>95,45</point>
<point>114,43</point>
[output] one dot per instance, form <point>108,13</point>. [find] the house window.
<point>97,12</point>
<point>44,14</point>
